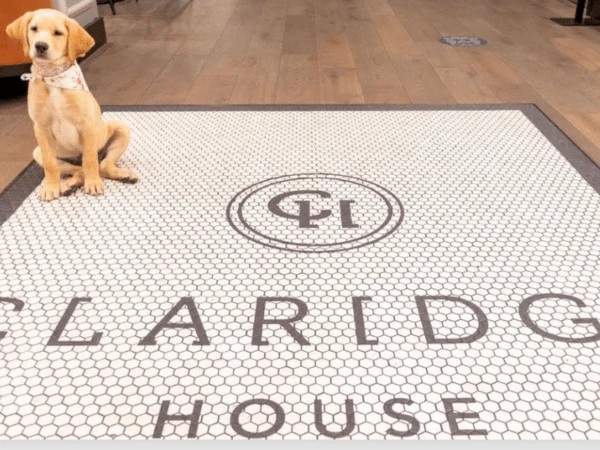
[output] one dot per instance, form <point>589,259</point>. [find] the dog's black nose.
<point>41,47</point>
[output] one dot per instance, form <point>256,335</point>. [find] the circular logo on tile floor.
<point>315,213</point>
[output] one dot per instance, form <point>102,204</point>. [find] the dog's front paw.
<point>49,192</point>
<point>93,186</point>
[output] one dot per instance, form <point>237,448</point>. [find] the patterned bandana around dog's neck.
<point>64,77</point>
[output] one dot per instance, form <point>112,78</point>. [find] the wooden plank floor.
<point>337,51</point>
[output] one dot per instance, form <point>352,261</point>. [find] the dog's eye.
<point>33,28</point>
<point>58,33</point>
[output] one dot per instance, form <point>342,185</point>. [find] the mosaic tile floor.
<point>303,273</point>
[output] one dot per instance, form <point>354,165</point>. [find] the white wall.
<point>83,11</point>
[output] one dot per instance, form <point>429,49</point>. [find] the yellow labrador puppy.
<point>76,147</point>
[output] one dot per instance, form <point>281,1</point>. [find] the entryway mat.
<point>310,273</point>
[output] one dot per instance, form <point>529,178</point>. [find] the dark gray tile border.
<point>19,189</point>
<point>24,184</point>
<point>586,167</point>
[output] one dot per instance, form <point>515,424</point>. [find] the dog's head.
<point>48,36</point>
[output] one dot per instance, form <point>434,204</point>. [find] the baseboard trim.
<point>96,30</point>
<point>14,70</point>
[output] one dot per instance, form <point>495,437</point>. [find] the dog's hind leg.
<point>118,140</point>
<point>74,179</point>
<point>74,174</point>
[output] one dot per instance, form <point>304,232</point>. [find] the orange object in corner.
<point>11,53</point>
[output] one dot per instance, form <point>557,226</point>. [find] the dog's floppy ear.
<point>17,30</point>
<point>79,42</point>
